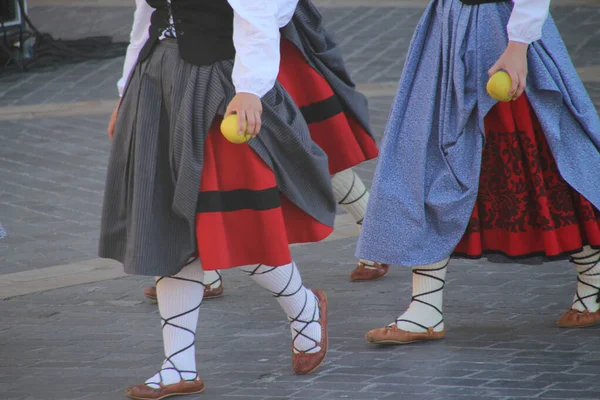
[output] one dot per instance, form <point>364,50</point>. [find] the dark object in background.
<point>23,48</point>
<point>10,14</point>
<point>11,26</point>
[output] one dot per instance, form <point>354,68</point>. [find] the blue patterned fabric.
<point>426,180</point>
<point>2,232</point>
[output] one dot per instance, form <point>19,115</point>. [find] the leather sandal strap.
<point>416,298</point>
<point>589,261</point>
<point>297,332</point>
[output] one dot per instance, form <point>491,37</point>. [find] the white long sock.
<point>299,303</point>
<point>179,299</point>
<point>212,279</point>
<point>587,264</point>
<point>350,192</point>
<point>425,309</point>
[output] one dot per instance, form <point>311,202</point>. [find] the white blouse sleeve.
<point>256,39</point>
<point>526,21</point>
<point>138,37</point>
<point>287,8</point>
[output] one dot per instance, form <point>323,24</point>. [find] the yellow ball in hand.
<point>229,129</point>
<point>498,87</point>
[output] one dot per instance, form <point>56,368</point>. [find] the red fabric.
<point>524,206</point>
<point>244,237</point>
<point>341,137</point>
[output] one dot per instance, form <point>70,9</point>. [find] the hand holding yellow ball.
<point>229,129</point>
<point>242,118</point>
<point>499,85</point>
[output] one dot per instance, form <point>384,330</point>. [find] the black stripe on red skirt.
<point>242,217</point>
<point>321,110</point>
<point>336,131</point>
<point>524,206</point>
<point>235,200</point>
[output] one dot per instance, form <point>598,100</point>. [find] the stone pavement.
<point>93,334</point>
<point>90,341</point>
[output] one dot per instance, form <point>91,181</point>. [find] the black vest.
<point>204,29</point>
<point>478,2</point>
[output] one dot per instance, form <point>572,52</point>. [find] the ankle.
<point>212,279</point>
<point>421,317</point>
<point>587,264</point>
<point>410,325</point>
<point>171,373</point>
<point>425,309</point>
<point>306,330</point>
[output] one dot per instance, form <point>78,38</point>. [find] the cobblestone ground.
<point>90,341</point>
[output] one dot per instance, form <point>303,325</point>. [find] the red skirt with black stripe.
<point>341,137</point>
<point>242,218</point>
<point>524,207</point>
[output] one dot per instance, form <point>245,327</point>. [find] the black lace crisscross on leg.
<point>217,280</point>
<point>591,261</point>
<point>169,322</point>
<point>423,272</point>
<point>305,323</point>
<point>343,202</point>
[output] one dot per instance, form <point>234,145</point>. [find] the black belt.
<point>478,2</point>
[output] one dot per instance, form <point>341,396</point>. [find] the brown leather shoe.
<point>145,392</point>
<point>364,272</point>
<point>391,335</point>
<point>304,363</point>
<point>150,294</point>
<point>209,293</point>
<point>578,319</point>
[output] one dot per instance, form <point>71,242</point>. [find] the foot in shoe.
<point>212,280</point>
<point>169,375</point>
<point>420,318</point>
<point>158,388</point>
<point>587,264</point>
<point>305,362</point>
<point>306,330</point>
<point>368,271</point>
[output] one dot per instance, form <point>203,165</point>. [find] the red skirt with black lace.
<point>524,207</point>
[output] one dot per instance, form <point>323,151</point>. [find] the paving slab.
<point>92,340</point>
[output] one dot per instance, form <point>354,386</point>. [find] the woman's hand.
<point>514,62</point>
<point>248,107</point>
<point>113,121</point>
